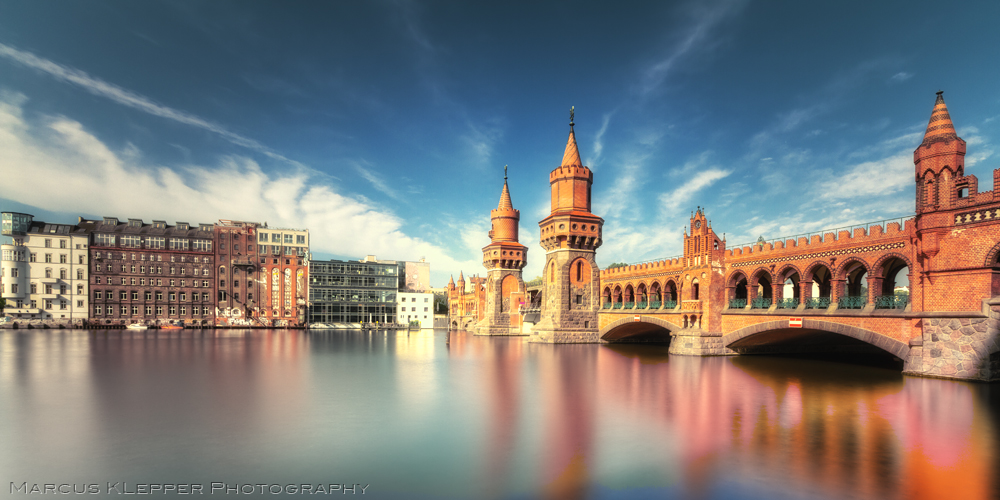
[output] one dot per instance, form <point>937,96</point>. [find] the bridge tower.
<point>504,258</point>
<point>939,162</point>
<point>570,236</point>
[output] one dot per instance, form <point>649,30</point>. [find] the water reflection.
<point>419,414</point>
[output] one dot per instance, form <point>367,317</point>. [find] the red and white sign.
<point>794,322</point>
<point>637,318</point>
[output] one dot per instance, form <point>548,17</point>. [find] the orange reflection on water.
<point>811,427</point>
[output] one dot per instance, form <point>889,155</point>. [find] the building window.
<point>98,310</point>
<point>149,310</point>
<point>148,295</point>
<point>183,310</point>
<point>124,282</point>
<point>172,296</point>
<point>135,310</point>
<point>79,303</point>
<point>131,281</point>
<point>79,289</point>
<point>159,310</point>
<point>34,288</point>
<point>80,259</point>
<point>97,280</point>
<point>48,289</point>
<point>183,296</point>
<point>173,310</point>
<point>48,257</point>
<point>31,257</point>
<point>135,295</point>
<point>98,294</point>
<point>123,295</point>
<point>142,281</point>
<point>48,303</point>
<point>204,298</point>
<point>62,274</point>
<point>159,296</point>
<point>79,274</point>
<point>48,242</point>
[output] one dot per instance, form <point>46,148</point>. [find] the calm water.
<point>412,415</point>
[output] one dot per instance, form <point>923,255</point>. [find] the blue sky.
<point>383,127</point>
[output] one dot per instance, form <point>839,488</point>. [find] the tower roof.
<point>451,280</point>
<point>939,128</point>
<point>572,154</point>
<point>461,278</point>
<point>505,203</point>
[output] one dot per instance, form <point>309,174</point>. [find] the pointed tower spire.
<point>461,278</point>
<point>939,128</point>
<point>572,154</point>
<point>451,281</point>
<point>505,203</point>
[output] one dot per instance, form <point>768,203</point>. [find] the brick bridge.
<point>837,290</point>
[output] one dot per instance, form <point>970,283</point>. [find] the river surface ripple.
<point>428,415</point>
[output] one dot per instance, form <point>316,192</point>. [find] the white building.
<point>415,306</point>
<point>44,270</point>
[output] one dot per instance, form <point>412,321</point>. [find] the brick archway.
<point>625,328</point>
<point>899,349</point>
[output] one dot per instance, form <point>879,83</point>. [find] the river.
<point>428,415</point>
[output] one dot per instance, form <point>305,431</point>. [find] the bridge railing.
<point>823,232</point>
<point>849,302</point>
<point>892,301</point>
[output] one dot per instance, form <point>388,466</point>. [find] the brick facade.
<point>504,258</point>
<point>570,236</point>
<point>949,252</point>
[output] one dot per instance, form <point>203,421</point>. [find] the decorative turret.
<point>451,282</point>
<point>701,241</point>
<point>570,236</point>
<point>503,258</point>
<point>938,161</point>
<point>504,250</point>
<point>571,224</point>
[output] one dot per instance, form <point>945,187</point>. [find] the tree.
<point>440,304</point>
<point>537,281</point>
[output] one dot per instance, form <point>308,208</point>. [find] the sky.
<point>384,127</point>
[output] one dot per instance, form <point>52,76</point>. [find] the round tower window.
<point>562,226</point>
<point>574,227</point>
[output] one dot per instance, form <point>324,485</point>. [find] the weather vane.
<point>505,174</point>
<point>571,113</point>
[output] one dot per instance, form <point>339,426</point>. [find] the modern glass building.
<point>343,291</point>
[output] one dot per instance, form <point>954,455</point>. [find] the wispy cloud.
<point>131,99</point>
<point>376,181</point>
<point>672,201</point>
<point>900,77</point>
<point>599,140</point>
<point>97,180</point>
<point>698,36</point>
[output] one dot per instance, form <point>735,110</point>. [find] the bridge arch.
<point>854,272</point>
<point>992,257</point>
<point>761,284</point>
<point>771,332</point>
<point>646,329</point>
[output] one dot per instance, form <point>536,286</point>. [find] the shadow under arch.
<point>646,329</point>
<point>815,336</point>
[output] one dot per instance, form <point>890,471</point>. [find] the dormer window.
<point>135,223</point>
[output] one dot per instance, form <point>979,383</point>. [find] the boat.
<point>137,326</point>
<point>170,327</point>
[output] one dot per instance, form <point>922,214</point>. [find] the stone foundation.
<point>958,348</point>
<point>695,342</point>
<point>564,336</point>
